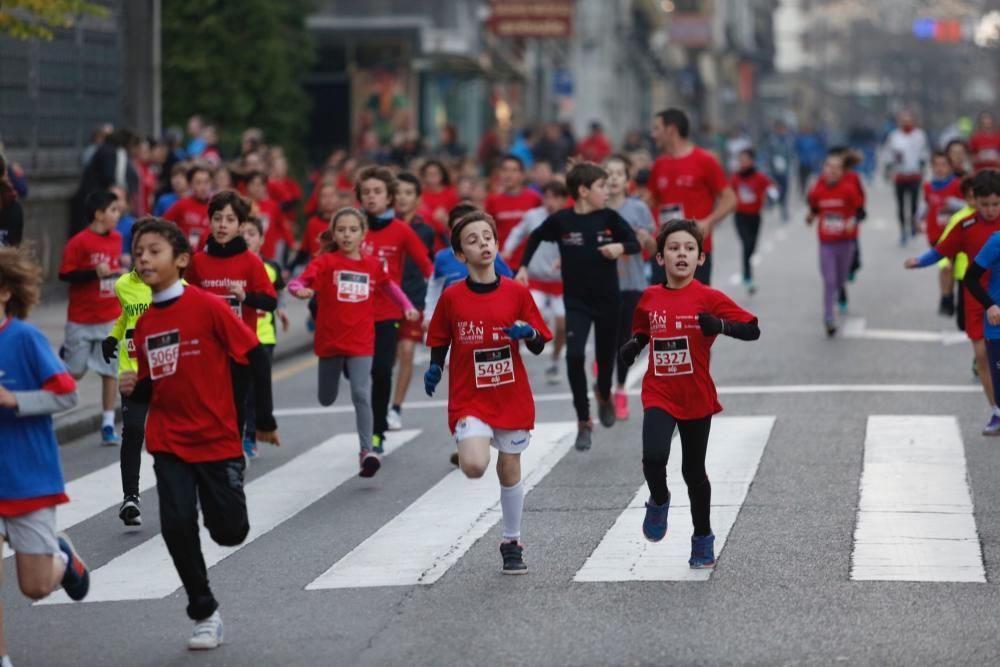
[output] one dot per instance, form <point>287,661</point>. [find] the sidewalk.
<point>85,418</point>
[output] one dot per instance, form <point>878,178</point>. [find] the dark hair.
<point>383,174</point>
<point>179,168</point>
<point>642,176</point>
<point>939,153</point>
<point>555,188</point>
<point>255,175</point>
<point>168,230</point>
<point>21,275</point>
<point>947,148</point>
<point>986,183</point>
<point>138,227</point>
<point>98,201</point>
<point>327,243</point>
<point>445,176</point>
<point>197,168</point>
<point>465,221</point>
<point>458,211</point>
<point>407,177</point>
<point>749,151</point>
<point>966,184</point>
<point>220,200</point>
<point>583,175</point>
<point>689,226</point>
<point>624,159</point>
<point>510,157</point>
<point>255,221</point>
<point>678,119</point>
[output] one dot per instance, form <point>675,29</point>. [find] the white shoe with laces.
<point>394,419</point>
<point>207,633</point>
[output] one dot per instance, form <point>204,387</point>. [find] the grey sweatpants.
<point>359,369</point>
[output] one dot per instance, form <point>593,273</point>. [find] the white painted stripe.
<point>734,450</point>
<point>420,544</point>
<point>855,327</point>
<point>147,572</point>
<point>638,371</point>
<point>915,519</point>
<point>736,279</point>
<point>89,495</point>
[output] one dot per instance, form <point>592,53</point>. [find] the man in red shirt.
<point>985,144</point>
<point>596,147</point>
<point>508,207</point>
<point>687,182</point>
<point>191,212</point>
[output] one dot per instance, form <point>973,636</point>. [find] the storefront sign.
<point>523,18</point>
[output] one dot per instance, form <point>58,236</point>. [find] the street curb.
<point>77,424</point>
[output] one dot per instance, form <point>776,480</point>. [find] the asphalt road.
<point>782,592</point>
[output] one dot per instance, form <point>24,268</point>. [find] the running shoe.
<point>394,419</point>
<point>370,463</point>
<point>552,374</point>
<point>5,662</point>
<point>605,410</point>
<point>76,578</point>
<point>621,405</point>
<point>109,438</point>
<point>378,444</point>
<point>851,276</point>
<point>702,552</point>
<point>454,459</point>
<point>584,436</point>
<point>831,328</point>
<point>992,427</point>
<point>946,308</point>
<point>842,301</point>
<point>654,526</point>
<point>129,512</point>
<point>250,448</point>
<point>207,633</point>
<point>751,287</point>
<point>512,553</point>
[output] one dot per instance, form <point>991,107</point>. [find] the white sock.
<point>512,505</point>
<point>996,410</point>
<point>108,418</point>
<point>62,555</point>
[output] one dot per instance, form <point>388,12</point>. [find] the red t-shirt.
<point>185,348</point>
<point>444,199</point>
<point>687,187</point>
<point>595,148</point>
<point>678,379</point>
<point>852,177</point>
<point>393,244</point>
<point>215,275</point>
<point>486,378</point>
<point>284,191</point>
<point>836,208</point>
<point>968,236</point>
<point>345,303</point>
<point>275,228</point>
<point>938,214</point>
<point>750,192</point>
<point>310,240</point>
<point>508,210</point>
<point>94,301</point>
<point>985,148</point>
<point>191,215</point>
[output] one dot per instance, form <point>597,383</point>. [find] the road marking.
<point>638,370</point>
<point>421,543</point>
<point>915,519</point>
<point>736,279</point>
<point>147,572</point>
<point>855,327</point>
<point>293,369</point>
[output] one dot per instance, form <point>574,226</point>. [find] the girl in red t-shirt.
<point>489,398</point>
<point>344,282</point>
<point>682,318</point>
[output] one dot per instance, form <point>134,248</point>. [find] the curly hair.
<point>21,276</point>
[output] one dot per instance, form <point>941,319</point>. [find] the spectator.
<point>110,165</point>
<point>15,174</point>
<point>450,145</point>
<point>11,215</point>
<point>596,147</point>
<point>97,139</point>
<point>522,147</point>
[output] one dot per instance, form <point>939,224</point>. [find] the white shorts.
<point>508,442</point>
<point>549,303</point>
<point>82,349</point>
<point>31,533</point>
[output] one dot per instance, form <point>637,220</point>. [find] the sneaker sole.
<point>369,467</point>
<point>194,647</point>
<point>514,572</point>
<point>131,518</point>
<point>707,566</point>
<point>652,539</point>
<point>111,443</point>
<point>991,434</point>
<point>86,570</point>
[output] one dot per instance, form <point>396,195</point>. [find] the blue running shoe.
<point>76,579</point>
<point>702,552</point>
<point>654,526</point>
<point>378,444</point>
<point>992,427</point>
<point>250,448</point>
<point>109,438</point>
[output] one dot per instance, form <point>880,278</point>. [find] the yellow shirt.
<point>135,297</point>
<point>961,259</point>
<point>267,332</point>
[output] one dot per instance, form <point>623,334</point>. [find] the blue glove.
<point>431,379</point>
<point>520,331</point>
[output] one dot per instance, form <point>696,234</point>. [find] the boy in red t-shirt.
<point>489,398</point>
<point>682,318</point>
<point>509,206</point>
<point>942,198</point>
<point>90,264</point>
<point>191,212</point>
<point>193,356</point>
<point>753,189</point>
<point>276,227</point>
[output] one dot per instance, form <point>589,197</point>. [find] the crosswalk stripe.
<point>915,520</point>
<point>734,451</point>
<point>147,572</point>
<point>421,543</point>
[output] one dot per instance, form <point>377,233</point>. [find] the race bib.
<point>352,287</point>
<point>670,212</point>
<point>234,304</point>
<point>989,155</point>
<point>130,344</point>
<point>493,367</point>
<point>747,195</point>
<point>107,287</point>
<point>834,223</point>
<point>671,356</point>
<point>162,352</point>
<point>194,236</point>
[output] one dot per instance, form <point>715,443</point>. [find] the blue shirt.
<point>124,227</point>
<point>164,203</point>
<point>29,453</point>
<point>989,259</point>
<point>450,269</point>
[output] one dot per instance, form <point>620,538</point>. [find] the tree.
<point>239,64</point>
<point>27,19</point>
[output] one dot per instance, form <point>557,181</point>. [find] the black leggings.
<point>629,300</point>
<point>906,189</point>
<point>657,430</point>
<point>578,321</point>
<point>386,337</point>
<point>748,227</point>
<point>133,434</point>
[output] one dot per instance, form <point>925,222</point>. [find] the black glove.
<point>109,349</point>
<point>710,324</point>
<point>431,378</point>
<point>629,351</point>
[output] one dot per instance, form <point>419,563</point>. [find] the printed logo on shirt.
<point>834,223</point>
<point>493,367</point>
<point>572,238</point>
<point>471,332</point>
<point>352,286</point>
<point>162,353</point>
<point>604,237</point>
<point>194,236</point>
<point>670,212</point>
<point>747,194</point>
<point>671,356</point>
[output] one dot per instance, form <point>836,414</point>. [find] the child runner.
<point>942,196</point>
<point>591,239</point>
<point>345,282</point>
<point>682,318</point>
<point>988,260</point>
<point>631,268</point>
<point>192,350</point>
<point>317,224</point>
<point>752,189</point>
<point>191,213</point>
<point>835,202</point>
<point>273,219</point>
<point>961,263</point>
<point>489,398</point>
<point>90,265</point>
<point>969,236</point>
<point>509,206</point>
<point>33,386</point>
<point>178,189</point>
<point>439,197</point>
<point>414,286</point>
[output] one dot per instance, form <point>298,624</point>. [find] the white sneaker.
<point>394,419</point>
<point>207,633</point>
<point>5,662</point>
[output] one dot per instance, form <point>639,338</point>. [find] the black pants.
<point>703,273</point>
<point>386,337</point>
<point>217,486</point>
<point>629,300</point>
<point>133,434</point>
<point>904,190</point>
<point>579,317</point>
<point>748,227</point>
<point>250,421</point>
<point>657,430</point>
